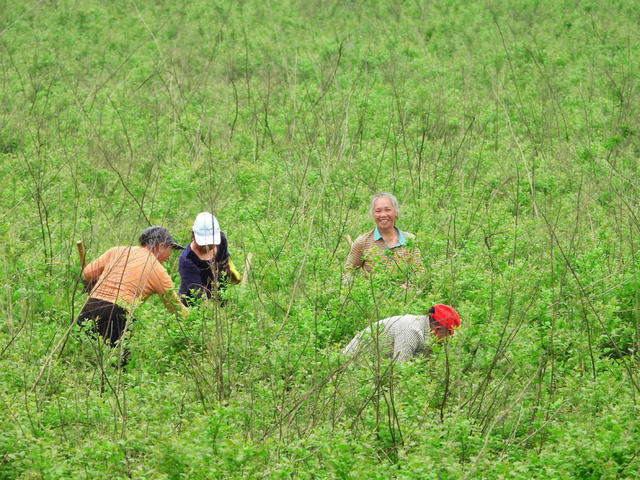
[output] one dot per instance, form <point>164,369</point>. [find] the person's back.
<point>404,336</point>
<point>127,273</point>
<point>399,337</point>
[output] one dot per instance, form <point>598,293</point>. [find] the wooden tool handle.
<point>247,266</point>
<point>83,260</point>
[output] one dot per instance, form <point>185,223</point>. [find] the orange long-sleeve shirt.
<point>128,274</point>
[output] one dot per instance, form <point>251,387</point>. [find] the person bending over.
<point>205,264</point>
<point>386,246</point>
<point>125,276</point>
<point>405,336</point>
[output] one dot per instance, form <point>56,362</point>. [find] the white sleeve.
<point>354,345</point>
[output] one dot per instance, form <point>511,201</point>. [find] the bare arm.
<point>173,303</point>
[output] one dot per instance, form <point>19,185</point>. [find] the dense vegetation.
<point>508,130</point>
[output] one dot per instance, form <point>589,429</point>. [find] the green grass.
<point>509,132</point>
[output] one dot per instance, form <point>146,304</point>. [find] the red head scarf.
<point>446,316</point>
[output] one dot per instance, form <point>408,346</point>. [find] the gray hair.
<point>390,196</point>
<point>155,236</point>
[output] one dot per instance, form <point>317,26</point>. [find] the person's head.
<point>159,241</point>
<point>442,320</point>
<point>384,209</point>
<point>206,232</point>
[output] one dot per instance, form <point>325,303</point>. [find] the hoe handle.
<point>81,253</point>
<point>247,267</point>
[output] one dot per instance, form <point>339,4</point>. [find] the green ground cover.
<point>508,130</point>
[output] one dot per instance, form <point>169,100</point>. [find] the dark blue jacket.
<point>198,277</point>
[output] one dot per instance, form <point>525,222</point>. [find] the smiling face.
<point>383,213</point>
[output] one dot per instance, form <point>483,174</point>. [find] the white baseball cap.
<point>206,229</point>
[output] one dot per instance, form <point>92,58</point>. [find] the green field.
<point>510,133</point>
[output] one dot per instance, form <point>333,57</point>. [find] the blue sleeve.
<point>190,279</point>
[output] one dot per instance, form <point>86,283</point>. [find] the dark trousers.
<point>108,319</point>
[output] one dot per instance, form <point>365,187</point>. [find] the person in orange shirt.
<point>124,277</point>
